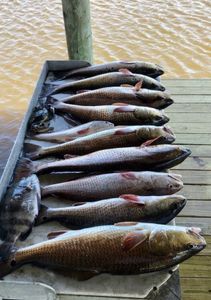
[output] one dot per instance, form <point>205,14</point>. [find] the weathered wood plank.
<point>189,90</point>
<point>186,82</point>
<point>195,296</point>
<point>190,107</point>
<point>192,127</point>
<point>200,150</point>
<point>194,139</point>
<point>189,117</point>
<point>203,223</point>
<point>196,209</point>
<point>196,192</point>
<point>202,99</point>
<point>194,176</point>
<point>195,163</point>
<point>196,266</point>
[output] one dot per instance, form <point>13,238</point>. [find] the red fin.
<point>83,131</point>
<point>151,142</point>
<point>134,239</point>
<point>124,131</point>
<point>138,86</point>
<point>126,224</point>
<point>125,71</point>
<point>133,198</point>
<point>129,175</point>
<point>54,234</point>
<point>125,108</point>
<point>195,230</point>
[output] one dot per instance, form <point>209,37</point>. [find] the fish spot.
<point>199,161</point>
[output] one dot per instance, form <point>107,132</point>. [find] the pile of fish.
<point>122,196</point>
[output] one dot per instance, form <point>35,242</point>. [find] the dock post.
<point>77,21</point>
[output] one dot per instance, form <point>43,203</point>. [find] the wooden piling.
<point>77,21</point>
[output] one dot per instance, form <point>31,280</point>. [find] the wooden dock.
<point>191,121</point>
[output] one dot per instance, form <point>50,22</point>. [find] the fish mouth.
<point>179,206</point>
<point>167,103</point>
<point>173,162</point>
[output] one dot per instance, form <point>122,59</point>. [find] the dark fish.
<point>114,184</point>
<point>18,212</point>
<point>112,138</point>
<point>127,95</point>
<point>155,158</point>
<point>151,209</point>
<point>123,248</point>
<point>119,114</point>
<point>110,79</point>
<point>146,68</point>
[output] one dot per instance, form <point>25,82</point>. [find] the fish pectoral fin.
<point>138,86</point>
<point>151,142</point>
<point>134,239</point>
<point>54,234</point>
<point>125,223</point>
<point>133,198</point>
<point>124,108</point>
<point>125,71</point>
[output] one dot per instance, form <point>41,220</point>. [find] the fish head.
<point>158,70</point>
<point>157,134</point>
<point>167,184</point>
<point>149,69</point>
<point>173,241</point>
<point>152,116</point>
<point>167,135</point>
<point>162,100</point>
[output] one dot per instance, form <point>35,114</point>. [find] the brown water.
<point>172,33</point>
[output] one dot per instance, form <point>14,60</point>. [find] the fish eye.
<point>171,186</point>
<point>190,246</point>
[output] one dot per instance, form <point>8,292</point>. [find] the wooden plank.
<point>196,296</point>
<point>77,21</point>
<point>190,117</point>
<point>189,107</point>
<point>200,150</point>
<point>196,266</point>
<point>195,163</point>
<point>196,192</point>
<point>187,82</point>
<point>192,127</point>
<point>189,90</point>
<point>203,223</point>
<point>199,98</point>
<point>194,176</point>
<point>194,139</point>
<point>196,209</point>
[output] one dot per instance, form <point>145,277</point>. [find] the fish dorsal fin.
<point>126,223</point>
<point>133,198</point>
<point>125,71</point>
<point>134,239</point>
<point>124,131</point>
<point>79,203</point>
<point>138,86</point>
<point>124,108</point>
<point>151,142</point>
<point>54,234</point>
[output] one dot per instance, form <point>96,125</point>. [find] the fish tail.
<point>32,151</point>
<point>42,216</point>
<point>25,168</point>
<point>7,258</point>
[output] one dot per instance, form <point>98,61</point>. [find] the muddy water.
<point>172,33</point>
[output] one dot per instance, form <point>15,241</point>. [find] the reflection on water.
<point>172,33</point>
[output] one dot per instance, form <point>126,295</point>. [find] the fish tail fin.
<point>7,258</point>
<point>32,151</point>
<point>42,216</point>
<point>25,168</point>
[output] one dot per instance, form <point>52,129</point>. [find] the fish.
<point>140,67</point>
<point>98,187</point>
<point>119,114</point>
<point>128,95</point>
<point>141,158</point>
<point>125,248</point>
<point>74,132</point>
<point>18,212</point>
<point>110,79</point>
<point>111,138</point>
<point>150,209</point>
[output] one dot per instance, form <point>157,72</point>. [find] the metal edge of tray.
<point>18,144</point>
<point>8,173</point>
